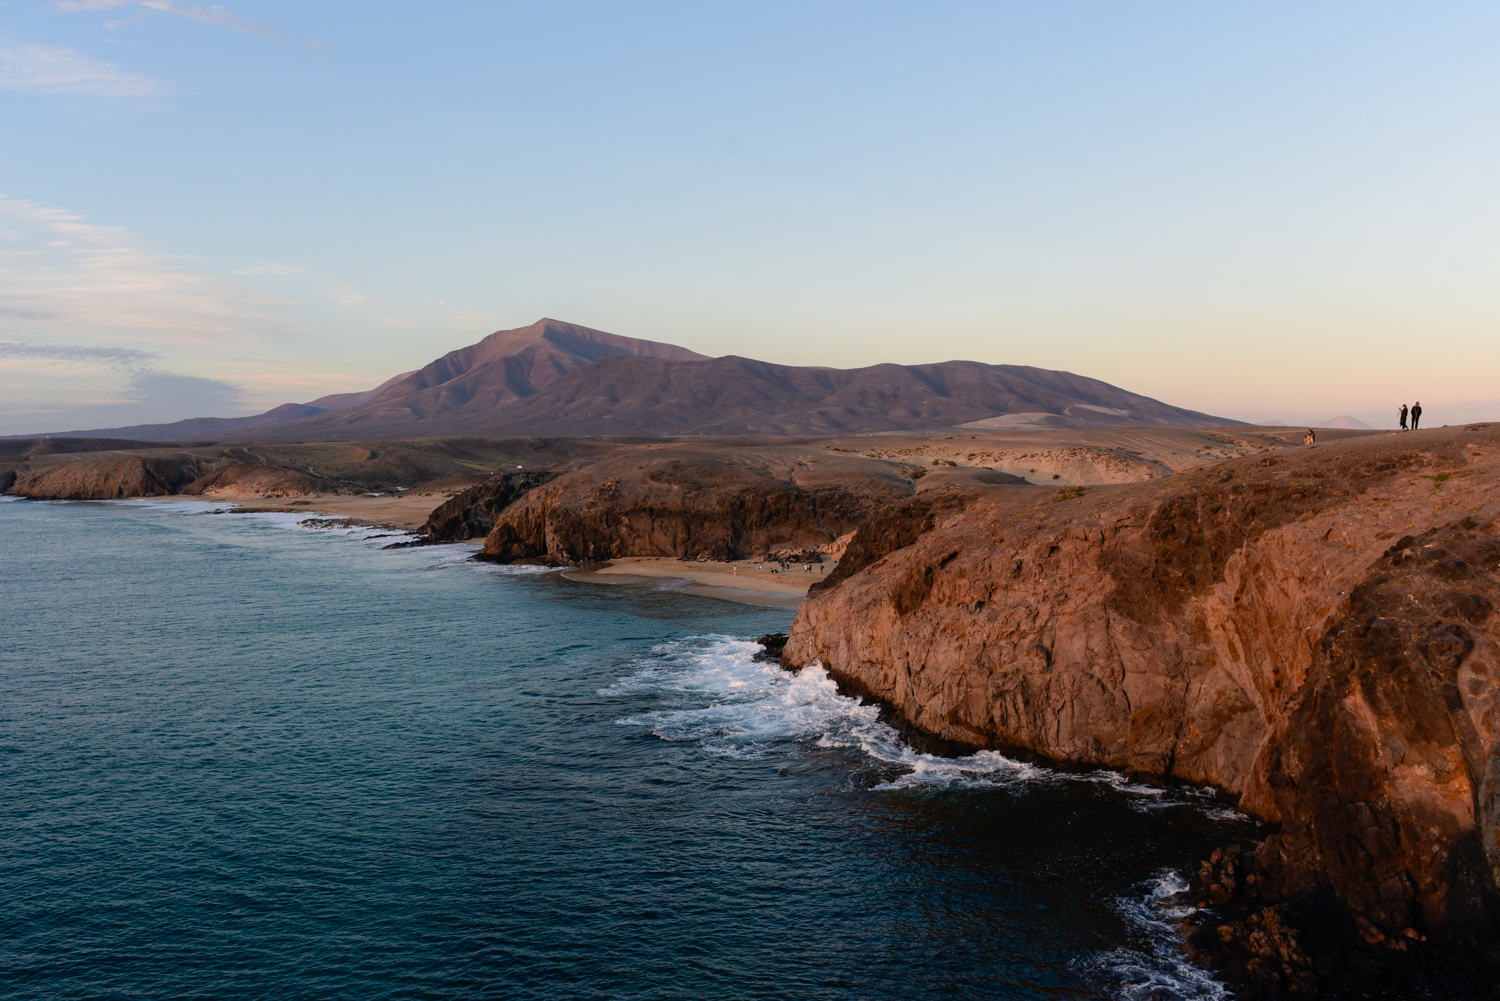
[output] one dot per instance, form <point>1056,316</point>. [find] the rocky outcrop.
<point>683,505</point>
<point>1313,633</point>
<point>103,479</point>
<point>243,479</point>
<point>472,513</point>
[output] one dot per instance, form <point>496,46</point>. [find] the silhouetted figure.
<point>1309,438</point>
<point>1416,414</point>
<point>1403,417</point>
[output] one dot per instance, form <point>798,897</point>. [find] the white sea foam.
<point>1157,970</point>
<point>733,705</point>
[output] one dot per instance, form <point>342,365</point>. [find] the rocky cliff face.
<point>1311,632</point>
<point>688,504</point>
<point>472,513</point>
<point>103,479</point>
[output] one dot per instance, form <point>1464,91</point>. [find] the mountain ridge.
<point>553,377</point>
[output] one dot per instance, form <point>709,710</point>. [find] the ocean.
<point>248,758</point>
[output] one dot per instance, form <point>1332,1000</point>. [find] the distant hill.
<point>1345,421</point>
<point>735,396</point>
<point>555,378</point>
<point>213,427</point>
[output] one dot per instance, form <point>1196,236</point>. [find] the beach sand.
<point>746,581</point>
<point>404,511</point>
<point>738,581</point>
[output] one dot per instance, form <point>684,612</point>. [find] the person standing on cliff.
<point>1403,417</point>
<point>1416,414</point>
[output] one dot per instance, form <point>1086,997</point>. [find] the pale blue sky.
<point>1258,210</point>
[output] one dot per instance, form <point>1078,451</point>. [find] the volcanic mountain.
<point>555,378</point>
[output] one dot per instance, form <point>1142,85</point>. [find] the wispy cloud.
<point>76,353</point>
<point>96,283</point>
<point>59,70</point>
<point>270,269</point>
<point>150,396</point>
<point>26,314</point>
<point>215,15</point>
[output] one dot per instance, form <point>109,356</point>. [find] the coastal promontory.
<point>1312,632</point>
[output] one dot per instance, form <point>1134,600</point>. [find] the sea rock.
<point>472,513</point>
<point>683,504</point>
<point>771,646</point>
<point>1313,633</point>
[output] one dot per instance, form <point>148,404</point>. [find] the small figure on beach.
<point>1309,438</point>
<point>1403,417</point>
<point>1416,414</point>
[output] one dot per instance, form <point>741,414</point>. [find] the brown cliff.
<point>104,479</point>
<point>1312,632</point>
<point>245,479</point>
<point>693,504</point>
<point>472,513</point>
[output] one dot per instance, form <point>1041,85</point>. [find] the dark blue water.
<point>239,759</point>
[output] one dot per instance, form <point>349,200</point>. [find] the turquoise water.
<point>245,759</point>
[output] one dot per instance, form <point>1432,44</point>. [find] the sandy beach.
<point>404,511</point>
<point>743,580</point>
<point>750,581</point>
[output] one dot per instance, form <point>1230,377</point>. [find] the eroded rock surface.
<point>240,479</point>
<point>685,504</point>
<point>103,479</point>
<point>472,513</point>
<point>1312,632</point>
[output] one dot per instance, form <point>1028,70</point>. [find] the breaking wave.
<point>717,695</point>
<point>732,705</point>
<point>1157,970</point>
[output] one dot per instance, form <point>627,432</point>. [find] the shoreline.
<point>737,581</point>
<point>400,512</point>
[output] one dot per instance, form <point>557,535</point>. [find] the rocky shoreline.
<point>1309,631</point>
<point>1312,633</point>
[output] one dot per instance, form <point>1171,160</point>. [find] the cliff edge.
<point>1312,632</point>
<point>711,504</point>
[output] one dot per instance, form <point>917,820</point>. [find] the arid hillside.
<point>555,378</point>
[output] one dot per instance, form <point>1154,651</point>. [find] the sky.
<point>1262,211</point>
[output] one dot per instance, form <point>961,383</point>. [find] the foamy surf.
<point>1157,970</point>
<point>735,705</point>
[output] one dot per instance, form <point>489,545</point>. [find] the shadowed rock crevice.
<point>472,513</point>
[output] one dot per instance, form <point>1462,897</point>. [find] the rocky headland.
<point>1311,631</point>
<point>695,504</point>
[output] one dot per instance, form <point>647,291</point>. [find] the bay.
<point>242,758</point>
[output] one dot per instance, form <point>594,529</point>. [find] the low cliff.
<point>1312,632</point>
<point>242,479</point>
<point>103,479</point>
<point>687,505</point>
<point>471,514</point>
